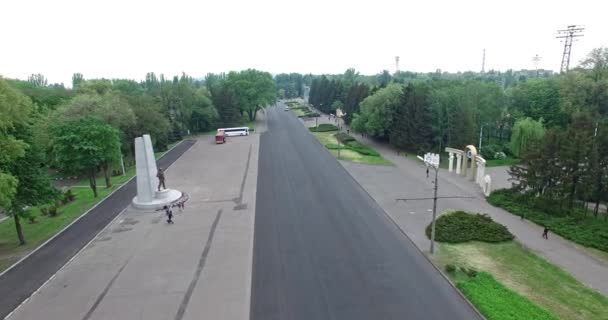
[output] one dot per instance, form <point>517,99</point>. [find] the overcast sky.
<point>127,38</point>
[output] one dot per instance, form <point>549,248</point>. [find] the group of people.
<point>169,212</point>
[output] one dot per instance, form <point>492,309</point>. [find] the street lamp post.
<point>480,135</point>
<point>432,160</point>
<point>434,211</point>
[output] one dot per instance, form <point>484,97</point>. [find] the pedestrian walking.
<point>546,233</point>
<point>347,131</point>
<point>427,172</point>
<point>169,214</point>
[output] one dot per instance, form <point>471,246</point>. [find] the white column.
<point>150,162</point>
<point>451,162</point>
<point>458,163</point>
<point>482,173</point>
<point>145,192</point>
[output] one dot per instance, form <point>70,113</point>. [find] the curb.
<point>403,232</point>
<point>75,220</point>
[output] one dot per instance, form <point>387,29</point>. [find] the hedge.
<point>460,226</point>
<point>344,138</point>
<point>573,225</point>
<point>324,127</point>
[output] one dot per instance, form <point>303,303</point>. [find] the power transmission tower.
<point>568,35</point>
<point>483,62</point>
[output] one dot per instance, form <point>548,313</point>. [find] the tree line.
<point>556,124</point>
<point>84,130</point>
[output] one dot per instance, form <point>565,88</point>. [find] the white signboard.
<point>431,159</point>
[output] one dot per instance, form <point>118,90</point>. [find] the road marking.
<point>201,264</point>
<point>105,291</point>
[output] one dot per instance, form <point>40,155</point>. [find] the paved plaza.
<point>140,267</point>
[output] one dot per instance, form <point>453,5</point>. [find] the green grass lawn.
<point>502,162</point>
<point>497,302</point>
<point>328,138</point>
<point>524,272</point>
<point>298,112</point>
<point>45,227</point>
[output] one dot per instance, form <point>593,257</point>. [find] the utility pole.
<point>573,31</point>
<point>483,62</point>
<point>432,160</point>
<point>434,210</point>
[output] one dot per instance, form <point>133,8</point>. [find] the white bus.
<point>229,132</point>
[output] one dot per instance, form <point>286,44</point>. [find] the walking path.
<point>407,179</point>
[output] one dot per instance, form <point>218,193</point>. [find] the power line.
<point>568,35</point>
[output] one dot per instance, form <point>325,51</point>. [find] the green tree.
<point>525,133</point>
<point>15,110</point>
<point>378,111</point>
<point>254,90</point>
<point>77,79</point>
<point>34,187</point>
<point>84,145</point>
<point>412,127</point>
<point>538,99</point>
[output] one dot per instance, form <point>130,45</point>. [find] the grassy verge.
<point>495,301</point>
<point>45,227</point>
<point>502,162</point>
<point>329,140</point>
<point>578,227</point>
<point>298,112</point>
<point>524,272</point>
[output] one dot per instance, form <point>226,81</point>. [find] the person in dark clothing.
<point>169,214</point>
<point>427,172</point>
<point>160,174</point>
<point>546,233</point>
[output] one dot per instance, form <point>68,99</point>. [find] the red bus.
<point>220,137</point>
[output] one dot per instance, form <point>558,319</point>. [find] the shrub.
<point>450,268</point>
<point>68,197</point>
<point>472,273</point>
<point>324,127</point>
<point>333,146</point>
<point>30,217</point>
<point>344,138</point>
<point>489,151</point>
<point>459,226</point>
<point>309,115</point>
<point>495,301</point>
<point>362,149</point>
<point>53,211</point>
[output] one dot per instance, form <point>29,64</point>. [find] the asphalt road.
<point>20,282</point>
<point>323,249</point>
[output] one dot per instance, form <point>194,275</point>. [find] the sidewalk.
<point>407,179</point>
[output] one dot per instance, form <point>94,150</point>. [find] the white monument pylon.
<point>148,195</point>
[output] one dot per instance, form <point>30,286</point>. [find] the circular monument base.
<point>161,199</point>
